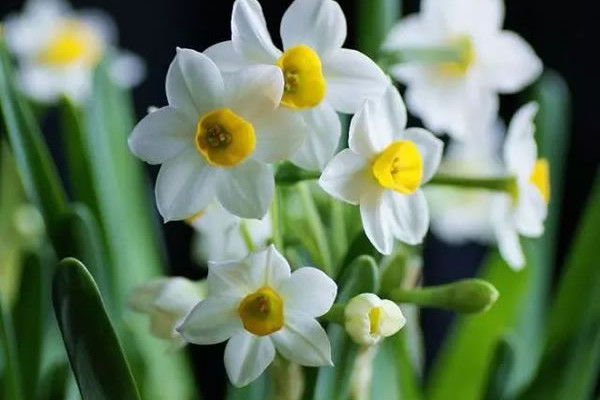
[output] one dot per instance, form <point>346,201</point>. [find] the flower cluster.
<point>241,107</point>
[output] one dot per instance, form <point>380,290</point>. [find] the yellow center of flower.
<point>72,42</point>
<point>458,69</point>
<point>540,177</point>
<point>304,82</point>
<point>374,320</point>
<point>399,167</point>
<point>262,312</point>
<point>194,217</point>
<point>224,138</point>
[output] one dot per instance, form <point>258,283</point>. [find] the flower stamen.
<point>304,82</point>
<point>261,312</point>
<point>399,167</point>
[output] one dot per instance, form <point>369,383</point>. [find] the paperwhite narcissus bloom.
<point>167,301</point>
<point>58,49</point>
<point>383,170</point>
<point>219,237</point>
<point>369,319</point>
<point>522,212</point>
<point>459,215</point>
<point>450,96</point>
<point>216,136</point>
<point>320,76</point>
<point>259,306</point>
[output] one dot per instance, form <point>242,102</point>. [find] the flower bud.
<point>167,301</point>
<point>369,319</point>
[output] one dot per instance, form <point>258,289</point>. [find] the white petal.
<point>531,211</point>
<point>323,129</point>
<point>475,17</point>
<point>520,149</point>
<point>249,33</point>
<point>279,134</point>
<point>394,319</point>
<point>255,91</point>
<point>184,185</point>
<point>127,70</point>
<point>410,31</point>
<point>506,233</point>
<point>247,356</point>
<point>235,278</point>
<point>309,291</point>
<point>272,267</point>
<point>246,190</point>
<point>162,135</point>
<point>410,215</point>
<point>379,122</point>
<point>226,57</point>
<point>351,79</point>
<point>304,341</point>
<point>377,222</point>
<point>510,63</point>
<point>347,177</point>
<point>194,83</point>
<point>101,22</point>
<point>213,320</point>
<point>319,24</point>
<point>430,148</point>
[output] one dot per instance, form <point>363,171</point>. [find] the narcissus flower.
<point>216,136</point>
<point>219,234</point>
<point>320,76</point>
<point>58,49</point>
<point>449,96</point>
<point>259,306</point>
<point>523,211</point>
<point>458,215</point>
<point>167,301</point>
<point>383,170</point>
<point>370,319</point>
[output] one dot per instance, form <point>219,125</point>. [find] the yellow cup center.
<point>540,177</point>
<point>457,69</point>
<point>305,85</point>
<point>72,42</point>
<point>374,320</point>
<point>224,138</point>
<point>399,167</point>
<point>262,312</point>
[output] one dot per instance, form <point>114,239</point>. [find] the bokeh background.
<point>564,34</point>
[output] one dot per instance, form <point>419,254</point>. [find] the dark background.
<point>564,34</point>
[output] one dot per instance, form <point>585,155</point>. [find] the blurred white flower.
<point>383,170</point>
<point>167,301</point>
<point>216,136</point>
<point>524,211</point>
<point>320,76</point>
<point>460,215</point>
<point>370,319</point>
<point>58,48</point>
<point>450,96</point>
<point>219,236</point>
<point>259,306</point>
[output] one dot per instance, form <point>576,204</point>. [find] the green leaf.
<point>29,316</point>
<point>257,390</point>
<point>12,383</point>
<point>38,173</point>
<point>502,365</point>
<point>375,19</point>
<point>92,345</point>
<point>361,276</point>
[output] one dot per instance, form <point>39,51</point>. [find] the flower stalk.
<point>501,184</point>
<point>429,54</point>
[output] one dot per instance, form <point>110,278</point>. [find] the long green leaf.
<point>375,19</point>
<point>13,385</point>
<point>94,351</point>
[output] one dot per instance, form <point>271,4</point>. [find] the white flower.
<point>450,96</point>
<point>369,319</point>
<point>167,301</point>
<point>219,237</point>
<point>459,215</point>
<point>215,138</point>
<point>58,49</point>
<point>522,212</point>
<point>320,76</point>
<point>259,306</point>
<point>383,170</point>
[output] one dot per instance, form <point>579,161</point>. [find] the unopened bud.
<point>369,319</point>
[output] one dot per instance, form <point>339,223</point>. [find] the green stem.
<point>288,174</point>
<point>316,228</point>
<point>501,184</point>
<point>247,237</point>
<point>335,314</point>
<point>375,19</point>
<point>276,235</point>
